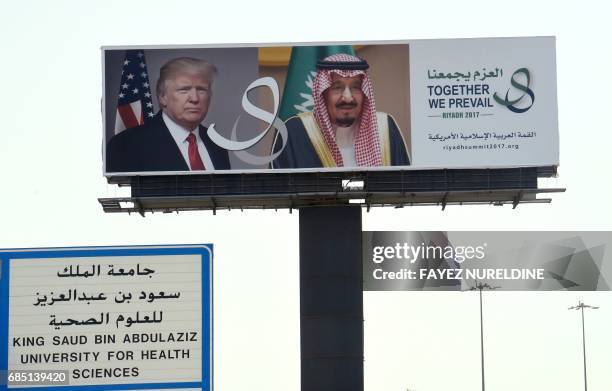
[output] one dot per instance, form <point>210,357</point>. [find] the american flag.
<point>134,104</point>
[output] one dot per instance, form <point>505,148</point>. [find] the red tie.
<point>194,155</point>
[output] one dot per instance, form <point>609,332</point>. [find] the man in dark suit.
<point>173,140</point>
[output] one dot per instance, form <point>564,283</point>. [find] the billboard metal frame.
<point>293,191</point>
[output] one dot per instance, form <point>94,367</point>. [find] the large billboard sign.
<point>423,104</point>
<point>122,317</point>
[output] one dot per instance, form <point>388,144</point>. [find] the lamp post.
<point>581,306</point>
<point>480,286</point>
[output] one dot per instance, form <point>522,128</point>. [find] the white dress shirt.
<point>180,134</point>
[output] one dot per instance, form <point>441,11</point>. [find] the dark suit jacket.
<point>150,147</point>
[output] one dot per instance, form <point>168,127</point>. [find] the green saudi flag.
<point>297,95</point>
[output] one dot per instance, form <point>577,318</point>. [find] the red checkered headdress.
<point>367,144</point>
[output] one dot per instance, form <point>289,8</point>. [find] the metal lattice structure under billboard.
<point>277,191</point>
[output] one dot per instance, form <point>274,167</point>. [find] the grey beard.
<point>345,122</point>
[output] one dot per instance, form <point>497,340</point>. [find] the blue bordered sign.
<point>107,318</point>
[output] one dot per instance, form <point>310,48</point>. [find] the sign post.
<point>331,299</point>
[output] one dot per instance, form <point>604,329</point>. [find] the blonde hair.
<point>182,65</point>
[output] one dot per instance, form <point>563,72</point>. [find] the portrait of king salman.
<point>343,126</point>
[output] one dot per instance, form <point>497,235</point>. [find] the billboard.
<point>121,317</point>
<point>422,104</point>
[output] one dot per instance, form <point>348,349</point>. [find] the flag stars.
<point>135,86</point>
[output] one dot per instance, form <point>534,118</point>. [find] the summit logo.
<point>511,104</point>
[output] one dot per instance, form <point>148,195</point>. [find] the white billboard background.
<point>49,198</point>
<point>506,138</point>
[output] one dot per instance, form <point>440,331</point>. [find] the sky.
<point>51,175</point>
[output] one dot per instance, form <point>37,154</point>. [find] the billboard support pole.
<point>331,298</point>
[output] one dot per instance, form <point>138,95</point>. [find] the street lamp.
<point>581,306</point>
<point>480,286</point>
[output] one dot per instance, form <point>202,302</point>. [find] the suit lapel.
<point>168,154</point>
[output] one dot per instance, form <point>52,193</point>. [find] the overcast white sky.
<point>51,176</point>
